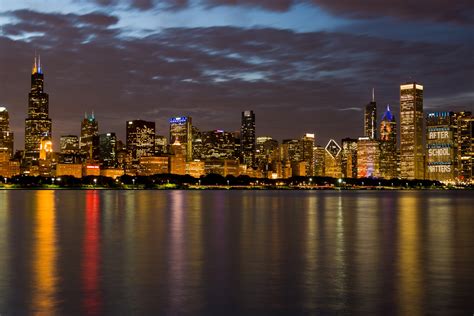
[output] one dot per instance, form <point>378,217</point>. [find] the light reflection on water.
<point>236,252</point>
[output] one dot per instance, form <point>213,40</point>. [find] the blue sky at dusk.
<point>301,65</point>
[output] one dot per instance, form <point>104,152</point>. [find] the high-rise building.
<point>441,146</point>
<point>181,130</point>
<point>89,142</point>
<point>108,150</point>
<point>6,136</point>
<point>388,145</point>
<point>38,125</point>
<point>161,145</point>
<point>216,144</point>
<point>370,118</point>
<point>368,158</point>
<point>291,150</point>
<point>349,158</point>
<point>411,131</point>
<point>464,140</point>
<point>140,138</point>
<point>247,138</point>
<point>69,144</point>
<point>264,148</point>
<point>319,154</point>
<point>306,145</point>
<point>332,159</point>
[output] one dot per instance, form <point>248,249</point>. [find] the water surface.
<point>236,252</point>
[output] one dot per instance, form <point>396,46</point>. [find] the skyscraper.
<point>247,138</point>
<point>411,131</point>
<point>370,126</point>
<point>181,130</point>
<point>108,149</point>
<point>349,158</point>
<point>368,158</point>
<point>388,145</point>
<point>441,146</point>
<point>89,143</point>
<point>38,125</point>
<point>465,149</point>
<point>6,136</point>
<point>307,144</point>
<point>140,138</point>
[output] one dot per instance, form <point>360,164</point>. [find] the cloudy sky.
<point>301,65</point>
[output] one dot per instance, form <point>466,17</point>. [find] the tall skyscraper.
<point>388,145</point>
<point>441,146</point>
<point>247,138</point>
<point>108,149</point>
<point>368,158</point>
<point>38,125</point>
<point>140,138</point>
<point>332,159</point>
<point>181,130</point>
<point>370,126</point>
<point>89,143</point>
<point>69,144</point>
<point>465,149</point>
<point>411,131</point>
<point>349,158</point>
<point>306,145</point>
<point>6,136</point>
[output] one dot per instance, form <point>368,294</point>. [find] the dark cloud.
<point>296,82</point>
<point>273,5</point>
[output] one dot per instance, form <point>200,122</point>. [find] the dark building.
<point>181,130</point>
<point>349,158</point>
<point>38,125</point>
<point>6,136</point>
<point>140,138</point>
<point>108,150</point>
<point>216,144</point>
<point>370,118</point>
<point>388,145</point>
<point>89,143</point>
<point>69,149</point>
<point>247,138</point>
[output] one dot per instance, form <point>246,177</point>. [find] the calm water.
<point>236,252</point>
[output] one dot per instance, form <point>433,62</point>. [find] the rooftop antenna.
<point>373,94</point>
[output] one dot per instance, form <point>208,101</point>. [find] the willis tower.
<point>38,125</point>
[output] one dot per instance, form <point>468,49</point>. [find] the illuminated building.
<point>291,150</point>
<point>38,125</point>
<point>319,154</point>
<point>349,158</point>
<point>332,160</point>
<point>388,145</point>
<point>265,146</point>
<point>411,131</point>
<point>181,129</point>
<point>108,150</point>
<point>46,149</point>
<point>464,140</point>
<point>140,138</point>
<point>91,169</point>
<point>177,160</point>
<point>161,145</point>
<point>216,144</point>
<point>113,173</point>
<point>370,118</point>
<point>69,144</point>
<point>441,146</point>
<point>153,165</point>
<point>306,150</point>
<point>368,158</point>
<point>89,142</point>
<point>224,167</point>
<point>8,167</point>
<point>247,138</point>
<point>298,168</point>
<point>196,168</point>
<point>6,136</point>
<point>69,169</point>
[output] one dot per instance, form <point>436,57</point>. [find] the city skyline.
<point>121,60</point>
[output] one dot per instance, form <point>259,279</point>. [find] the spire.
<point>373,94</point>
<point>39,64</point>
<point>93,116</point>
<point>35,67</point>
<point>85,115</point>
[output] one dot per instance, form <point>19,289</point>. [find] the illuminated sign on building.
<point>333,148</point>
<point>178,120</point>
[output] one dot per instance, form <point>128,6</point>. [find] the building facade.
<point>181,130</point>
<point>89,142</point>
<point>411,131</point>
<point>368,158</point>
<point>370,118</point>
<point>6,136</point>
<point>38,125</point>
<point>140,138</point>
<point>247,138</point>
<point>388,145</point>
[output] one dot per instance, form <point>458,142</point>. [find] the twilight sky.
<point>301,65</point>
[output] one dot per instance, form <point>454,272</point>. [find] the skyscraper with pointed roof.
<point>388,145</point>
<point>38,125</point>
<point>89,142</point>
<point>370,117</point>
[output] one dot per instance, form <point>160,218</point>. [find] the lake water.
<point>236,252</point>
